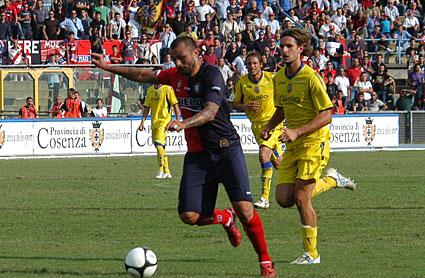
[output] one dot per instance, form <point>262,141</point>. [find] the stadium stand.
<point>32,32</point>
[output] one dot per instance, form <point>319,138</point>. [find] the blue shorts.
<point>203,171</point>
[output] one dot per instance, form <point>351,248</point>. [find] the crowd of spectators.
<point>350,38</point>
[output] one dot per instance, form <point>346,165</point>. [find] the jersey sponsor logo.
<point>289,99</point>
<point>260,97</point>
<point>193,104</point>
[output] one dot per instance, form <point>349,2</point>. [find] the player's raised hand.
<point>254,106</point>
<point>99,61</point>
<point>175,125</point>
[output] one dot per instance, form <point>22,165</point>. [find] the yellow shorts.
<point>159,136</point>
<point>305,162</point>
<point>273,142</point>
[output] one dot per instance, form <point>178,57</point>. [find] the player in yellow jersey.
<point>253,94</point>
<point>301,99</point>
<point>160,99</point>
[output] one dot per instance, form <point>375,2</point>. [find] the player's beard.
<point>187,70</point>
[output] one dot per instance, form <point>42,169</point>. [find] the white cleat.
<point>167,176</point>
<point>262,203</point>
<point>307,259</point>
<point>160,175</point>
<point>341,181</point>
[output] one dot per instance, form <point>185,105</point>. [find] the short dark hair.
<point>187,41</point>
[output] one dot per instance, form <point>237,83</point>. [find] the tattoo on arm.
<point>206,115</point>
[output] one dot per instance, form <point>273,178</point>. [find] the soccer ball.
<point>141,262</point>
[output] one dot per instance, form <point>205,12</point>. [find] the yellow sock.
<point>160,152</point>
<point>165,167</point>
<point>309,235</point>
<point>323,185</point>
<point>266,178</point>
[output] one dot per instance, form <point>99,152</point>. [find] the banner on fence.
<point>121,136</point>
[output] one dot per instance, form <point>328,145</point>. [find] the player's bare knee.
<point>244,211</point>
<point>190,218</point>
<point>285,202</point>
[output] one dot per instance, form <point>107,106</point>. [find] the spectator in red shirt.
<point>56,111</point>
<point>27,111</point>
<point>329,69</point>
<point>210,56</point>
<point>12,17</point>
<point>115,57</point>
<point>354,72</point>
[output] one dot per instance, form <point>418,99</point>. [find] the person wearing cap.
<point>273,23</point>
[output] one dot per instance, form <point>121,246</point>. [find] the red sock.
<point>218,217</point>
<point>255,232</point>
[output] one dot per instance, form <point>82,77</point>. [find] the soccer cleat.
<point>341,181</point>
<point>233,233</point>
<point>307,259</point>
<point>168,176</point>
<point>160,175</point>
<point>268,270</point>
<point>262,203</point>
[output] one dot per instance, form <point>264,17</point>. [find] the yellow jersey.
<point>302,97</point>
<point>160,101</point>
<point>246,91</point>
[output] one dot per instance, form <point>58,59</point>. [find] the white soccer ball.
<point>141,262</point>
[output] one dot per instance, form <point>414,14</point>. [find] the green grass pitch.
<point>78,217</point>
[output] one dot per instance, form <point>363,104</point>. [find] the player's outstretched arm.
<point>131,73</point>
<point>276,119</point>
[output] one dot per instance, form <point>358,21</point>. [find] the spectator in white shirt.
<point>99,111</point>
<point>224,69</point>
<point>230,27</point>
<point>364,86</point>
<point>204,9</point>
<point>411,23</point>
<point>260,22</point>
<point>274,24</point>
<point>343,83</point>
<point>391,11</point>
